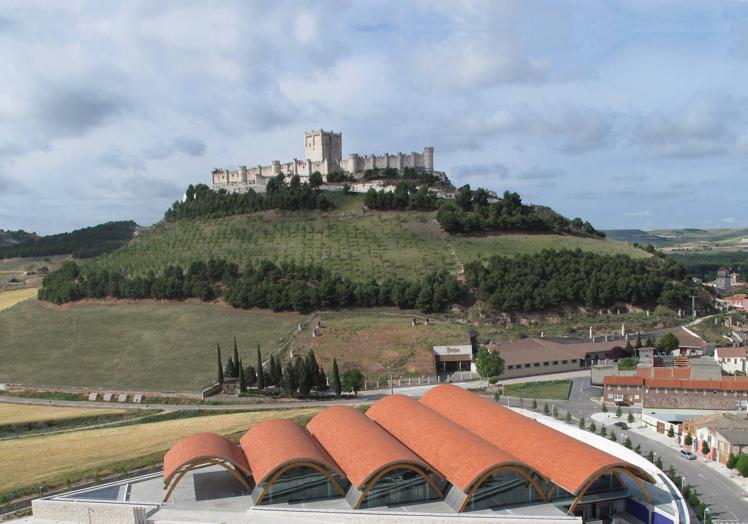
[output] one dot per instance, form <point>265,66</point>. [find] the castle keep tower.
<point>323,145</point>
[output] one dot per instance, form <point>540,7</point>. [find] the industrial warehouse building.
<point>453,446</point>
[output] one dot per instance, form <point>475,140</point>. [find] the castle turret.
<point>428,159</point>
<point>276,167</point>
<point>243,173</point>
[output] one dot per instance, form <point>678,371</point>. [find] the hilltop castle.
<point>324,153</point>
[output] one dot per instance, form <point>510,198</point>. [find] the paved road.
<point>727,501</point>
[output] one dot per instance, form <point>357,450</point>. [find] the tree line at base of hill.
<point>283,286</point>
<point>551,279</point>
<point>299,377</point>
<point>81,243</point>
<point>202,202</point>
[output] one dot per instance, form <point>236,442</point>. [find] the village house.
<point>731,360</point>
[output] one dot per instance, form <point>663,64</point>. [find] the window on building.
<point>545,363</point>
<point>527,365</point>
<point>401,486</point>
<point>564,361</point>
<point>555,362</point>
<point>510,366</point>
<point>300,484</point>
<point>537,364</point>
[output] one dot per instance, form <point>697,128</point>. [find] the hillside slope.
<point>348,241</point>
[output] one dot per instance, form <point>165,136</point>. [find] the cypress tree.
<point>311,362</point>
<point>260,372</point>
<point>289,379</point>
<point>322,384</point>
<point>220,366</point>
<point>273,375</point>
<point>336,387</point>
<point>306,379</point>
<point>230,370</point>
<point>242,380</point>
<point>278,377</point>
<point>638,342</point>
<point>250,377</point>
<point>236,359</point>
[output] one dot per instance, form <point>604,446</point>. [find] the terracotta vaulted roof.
<point>614,380</point>
<point>275,443</point>
<point>564,460</point>
<point>358,444</point>
<point>202,447</point>
<point>454,452</point>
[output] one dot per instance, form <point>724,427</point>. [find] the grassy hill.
<point>154,346</point>
<point>724,239</point>
<point>348,240</point>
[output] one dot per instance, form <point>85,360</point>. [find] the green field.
<point>153,346</point>
<point>377,339</point>
<point>348,240</point>
<point>550,390</point>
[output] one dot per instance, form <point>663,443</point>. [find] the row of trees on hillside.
<point>284,286</point>
<point>550,279</point>
<point>471,212</point>
<point>405,196</point>
<point>81,243</point>
<point>202,202</point>
<point>299,376</point>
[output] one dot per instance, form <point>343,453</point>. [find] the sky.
<point>629,114</point>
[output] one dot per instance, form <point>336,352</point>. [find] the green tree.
<point>651,342</point>
<point>230,370</point>
<point>545,409</point>
<point>306,378</point>
<point>638,449</point>
<point>315,180</point>
<point>242,380</point>
<point>658,463</point>
<point>534,404</point>
<point>619,412</point>
<point>605,408</point>
<point>668,343</point>
<point>630,418</point>
<point>220,365</point>
<point>236,359</point>
<point>489,364</point>
<point>670,431</point>
<point>290,379</point>
<point>603,431</point>
<point>353,380</point>
<point>627,443</point>
<point>689,439</point>
<point>581,422</point>
<point>638,343</point>
<point>731,460</point>
<point>250,376</point>
<point>314,370</point>
<point>613,436</point>
<point>629,348</point>
<point>260,371</point>
<point>568,417</point>
<point>741,464</point>
<point>651,456</point>
<point>705,448</point>
<point>555,412</point>
<point>336,385</point>
<point>593,427</point>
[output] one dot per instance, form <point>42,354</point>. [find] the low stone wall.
<point>90,512</point>
<point>78,390</point>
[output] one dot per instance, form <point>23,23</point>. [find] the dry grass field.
<point>372,342</point>
<point>24,414</point>
<point>29,462</point>
<point>9,299</point>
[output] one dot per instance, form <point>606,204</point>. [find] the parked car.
<point>688,455</point>
<point>621,425</point>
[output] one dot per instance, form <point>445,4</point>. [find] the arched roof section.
<point>203,449</point>
<point>458,455</point>
<point>359,445</point>
<point>278,443</point>
<point>564,460</point>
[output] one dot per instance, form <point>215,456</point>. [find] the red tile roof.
<point>275,443</point>
<point>454,452</point>
<point>723,384</point>
<point>358,444</point>
<point>614,380</point>
<point>566,461</point>
<point>664,372</point>
<point>199,447</point>
<point>730,352</point>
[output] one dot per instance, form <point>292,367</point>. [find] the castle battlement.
<point>324,154</point>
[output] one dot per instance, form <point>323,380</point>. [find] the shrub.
<point>534,404</point>
<point>603,431</point>
<point>627,443</point>
<point>651,456</point>
<point>613,436</point>
<point>658,463</point>
<point>605,408</point>
<point>741,464</point>
<point>631,418</point>
<point>670,432</point>
<point>581,422</point>
<point>593,427</point>
<point>689,439</point>
<point>638,449</point>
<point>619,412</point>
<point>568,417</point>
<point>705,448</point>
<point>545,409</point>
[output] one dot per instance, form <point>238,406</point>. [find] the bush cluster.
<point>405,196</point>
<point>202,202</point>
<point>556,278</point>
<point>471,212</point>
